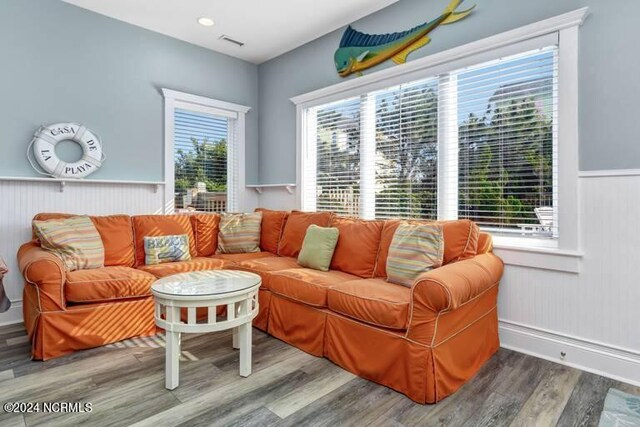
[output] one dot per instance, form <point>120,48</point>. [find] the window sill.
<point>540,257</point>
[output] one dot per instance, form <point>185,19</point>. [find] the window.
<point>204,140</point>
<point>478,141</point>
<point>507,151</point>
<point>201,145</point>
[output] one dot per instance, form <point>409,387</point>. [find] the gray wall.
<point>609,73</point>
<point>62,63</point>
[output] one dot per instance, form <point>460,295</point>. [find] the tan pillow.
<point>415,249</point>
<point>239,233</point>
<point>74,240</point>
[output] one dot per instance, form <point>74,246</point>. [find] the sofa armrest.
<point>46,273</point>
<point>448,288</point>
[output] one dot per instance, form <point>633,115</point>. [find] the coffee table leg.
<point>172,354</point>
<point>244,336</point>
<point>236,345</point>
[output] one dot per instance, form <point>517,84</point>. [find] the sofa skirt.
<point>56,333</point>
<point>425,372</point>
<point>297,324</point>
<point>261,321</point>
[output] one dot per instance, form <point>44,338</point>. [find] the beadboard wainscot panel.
<point>589,319</point>
<point>21,200</point>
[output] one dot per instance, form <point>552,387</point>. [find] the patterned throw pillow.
<point>239,233</point>
<point>161,249</point>
<point>75,240</point>
<point>415,249</point>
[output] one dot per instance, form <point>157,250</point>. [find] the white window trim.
<point>174,99</point>
<point>565,28</point>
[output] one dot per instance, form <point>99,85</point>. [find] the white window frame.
<point>180,100</point>
<point>562,28</point>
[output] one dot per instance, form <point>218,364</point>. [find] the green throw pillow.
<point>317,247</point>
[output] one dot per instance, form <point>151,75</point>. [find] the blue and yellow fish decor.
<point>359,51</point>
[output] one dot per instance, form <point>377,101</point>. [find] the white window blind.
<point>506,124</point>
<point>406,151</point>
<point>204,165</point>
<point>477,143</point>
<point>335,146</point>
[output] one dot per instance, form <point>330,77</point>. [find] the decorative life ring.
<point>43,149</point>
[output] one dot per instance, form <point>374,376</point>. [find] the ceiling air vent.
<point>230,40</point>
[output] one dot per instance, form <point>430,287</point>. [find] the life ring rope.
<point>43,159</point>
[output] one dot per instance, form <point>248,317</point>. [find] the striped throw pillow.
<point>161,249</point>
<point>74,240</point>
<point>239,233</point>
<point>415,249</point>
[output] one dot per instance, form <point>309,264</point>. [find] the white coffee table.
<point>237,290</point>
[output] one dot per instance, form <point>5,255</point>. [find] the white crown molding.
<point>551,25</point>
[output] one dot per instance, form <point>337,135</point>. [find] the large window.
<point>204,142</point>
<point>476,142</point>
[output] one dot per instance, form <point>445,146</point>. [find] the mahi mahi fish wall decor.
<point>359,51</point>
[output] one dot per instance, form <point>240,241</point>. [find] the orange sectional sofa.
<point>424,341</point>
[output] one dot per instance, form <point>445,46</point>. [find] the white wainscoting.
<point>20,201</point>
<point>592,314</point>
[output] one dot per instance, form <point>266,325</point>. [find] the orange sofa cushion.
<point>248,256</point>
<point>357,247</point>
<point>373,301</point>
<point>306,285</point>
<point>107,283</point>
<point>265,267</point>
<point>460,241</point>
<point>195,264</point>
<point>296,228</point>
<point>116,233</point>
<point>205,231</point>
<point>272,225</point>
<point>161,225</point>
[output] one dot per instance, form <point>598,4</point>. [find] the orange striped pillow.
<point>415,249</point>
<point>239,233</point>
<point>74,240</point>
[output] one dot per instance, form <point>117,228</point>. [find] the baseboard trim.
<point>13,315</point>
<point>609,361</point>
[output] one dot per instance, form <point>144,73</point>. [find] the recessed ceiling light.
<point>207,22</point>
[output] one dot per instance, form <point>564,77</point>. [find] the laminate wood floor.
<point>124,382</point>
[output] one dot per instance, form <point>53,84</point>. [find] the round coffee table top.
<point>205,283</point>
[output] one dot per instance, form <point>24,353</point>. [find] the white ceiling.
<point>267,27</point>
